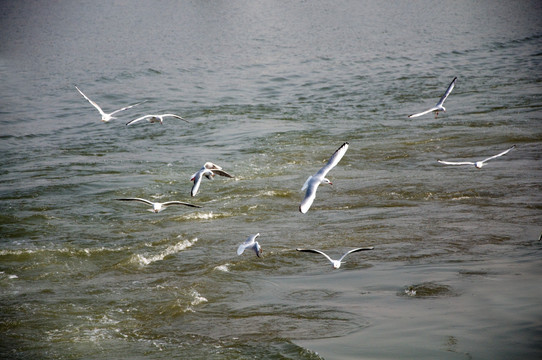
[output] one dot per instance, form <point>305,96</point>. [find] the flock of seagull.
<point>209,170</point>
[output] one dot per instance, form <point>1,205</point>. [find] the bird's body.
<point>250,243</point>
<point>208,170</point>
<point>440,105</point>
<point>312,183</point>
<point>155,118</point>
<point>336,263</point>
<point>156,206</point>
<point>106,116</point>
<point>477,164</point>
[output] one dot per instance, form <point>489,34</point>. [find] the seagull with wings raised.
<point>106,116</point>
<point>439,106</point>
<point>251,243</point>
<point>477,164</point>
<point>209,170</point>
<point>156,206</point>
<point>312,183</point>
<point>155,118</point>
<point>336,263</point>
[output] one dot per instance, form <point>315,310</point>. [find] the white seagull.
<point>156,206</point>
<point>315,180</point>
<point>439,106</point>
<point>106,117</point>
<point>477,164</point>
<point>208,170</point>
<point>251,243</point>
<point>336,263</point>
<point>155,118</point>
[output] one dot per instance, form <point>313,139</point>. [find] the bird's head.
<point>326,181</point>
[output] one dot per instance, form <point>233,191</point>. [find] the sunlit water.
<point>271,90</point>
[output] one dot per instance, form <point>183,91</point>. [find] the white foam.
<point>225,267</point>
<point>170,250</point>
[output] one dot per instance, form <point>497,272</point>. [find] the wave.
<point>170,250</point>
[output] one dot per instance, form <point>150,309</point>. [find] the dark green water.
<point>271,90</point>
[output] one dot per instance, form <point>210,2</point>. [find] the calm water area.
<point>270,89</point>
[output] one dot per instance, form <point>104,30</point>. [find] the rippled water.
<point>271,90</point>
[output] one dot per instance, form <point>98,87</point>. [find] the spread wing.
<point>197,182</point>
<point>356,250</point>
<point>175,116</point>
<point>92,102</point>
<point>138,119</point>
<point>456,162</point>
<point>222,173</point>
<point>448,91</point>
<point>137,199</point>
<point>310,194</point>
<point>423,112</point>
<point>333,160</point>
<point>127,107</point>
<point>179,203</point>
<point>316,252</point>
<point>498,155</point>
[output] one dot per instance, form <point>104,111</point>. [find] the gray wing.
<point>448,91</point>
<point>222,173</point>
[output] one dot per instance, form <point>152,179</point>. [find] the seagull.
<point>155,118</point>
<point>336,263</point>
<point>208,170</point>
<point>477,164</point>
<point>251,243</point>
<point>315,180</point>
<point>439,106</point>
<point>156,206</point>
<point>106,117</point>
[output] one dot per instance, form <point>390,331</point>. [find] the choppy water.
<point>271,89</point>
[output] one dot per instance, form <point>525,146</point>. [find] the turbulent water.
<point>270,89</point>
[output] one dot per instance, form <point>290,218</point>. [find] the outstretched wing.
<point>138,119</point>
<point>127,107</point>
<point>500,154</point>
<point>333,160</point>
<point>179,203</point>
<point>356,250</point>
<point>423,112</point>
<point>92,102</point>
<point>316,252</point>
<point>137,199</point>
<point>247,244</point>
<point>448,91</point>
<point>175,116</point>
<point>222,173</point>
<point>455,162</point>
<point>197,182</point>
<point>310,195</point>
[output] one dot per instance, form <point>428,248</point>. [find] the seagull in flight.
<point>208,170</point>
<point>155,118</point>
<point>439,106</point>
<point>251,243</point>
<point>336,263</point>
<point>156,206</point>
<point>315,180</point>
<point>105,116</point>
<point>477,164</point>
